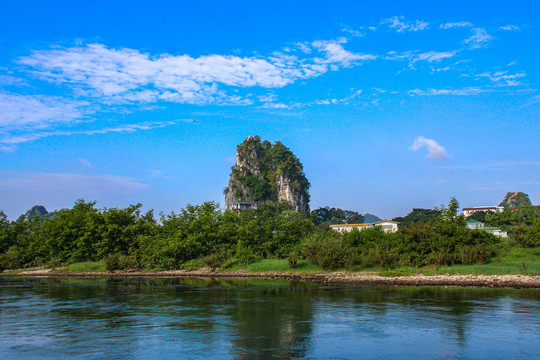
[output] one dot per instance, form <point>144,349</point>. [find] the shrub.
<point>127,262</point>
<point>54,263</point>
<point>216,260</point>
<point>112,262</point>
<point>293,258</point>
<point>329,251</point>
<point>245,254</point>
<point>10,259</point>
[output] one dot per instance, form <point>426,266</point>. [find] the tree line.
<point>130,238</point>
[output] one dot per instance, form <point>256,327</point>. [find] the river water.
<point>260,319</point>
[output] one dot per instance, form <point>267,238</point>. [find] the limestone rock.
<point>266,172</point>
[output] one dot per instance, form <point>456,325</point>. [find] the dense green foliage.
<point>329,216</point>
<point>122,238</point>
<point>439,242</point>
<point>417,215</point>
<point>128,238</point>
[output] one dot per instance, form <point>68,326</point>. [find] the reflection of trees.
<point>273,322</point>
<point>252,318</point>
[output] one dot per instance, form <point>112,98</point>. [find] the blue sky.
<point>389,105</point>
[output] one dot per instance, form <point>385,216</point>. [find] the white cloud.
<point>353,32</point>
<point>435,151</point>
<point>129,76</point>
<point>11,80</point>
<point>479,39</point>
<point>433,56</point>
<point>129,128</point>
<point>272,105</point>
<point>401,25</point>
<point>38,111</point>
<point>85,163</point>
<point>336,54</point>
<point>268,97</point>
<point>503,78</point>
<point>510,28</point>
<point>456,24</point>
<point>459,92</point>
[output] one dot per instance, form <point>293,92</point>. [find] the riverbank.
<point>338,277</point>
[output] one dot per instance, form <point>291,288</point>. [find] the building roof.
<point>339,225</point>
<point>471,221</point>
<point>482,207</point>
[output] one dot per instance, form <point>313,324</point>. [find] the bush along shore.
<point>272,239</point>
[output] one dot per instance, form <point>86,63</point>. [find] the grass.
<point>88,266</point>
<point>274,265</point>
<point>514,262</point>
<point>517,261</point>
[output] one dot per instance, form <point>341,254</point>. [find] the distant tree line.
<point>128,237</point>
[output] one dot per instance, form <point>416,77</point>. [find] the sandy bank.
<point>514,281</point>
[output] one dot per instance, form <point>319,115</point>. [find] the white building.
<point>243,205</point>
<point>471,210</point>
<point>473,224</point>
<point>386,226</point>
<point>342,228</point>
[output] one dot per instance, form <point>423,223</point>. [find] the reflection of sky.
<point>430,327</point>
<point>196,319</point>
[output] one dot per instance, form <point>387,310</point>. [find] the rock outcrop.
<point>515,200</point>
<point>266,172</point>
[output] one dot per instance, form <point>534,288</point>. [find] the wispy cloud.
<point>503,78</point>
<point>479,39</point>
<point>336,54</point>
<point>401,25</point>
<point>38,111</point>
<point>459,24</point>
<point>352,32</point>
<point>435,151</point>
<point>459,92</point>
<point>8,80</point>
<point>85,163</point>
<point>127,75</point>
<point>9,140</point>
<point>510,28</point>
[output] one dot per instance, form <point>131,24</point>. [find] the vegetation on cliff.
<point>515,200</point>
<point>267,172</point>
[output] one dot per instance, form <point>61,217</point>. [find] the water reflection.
<point>258,319</point>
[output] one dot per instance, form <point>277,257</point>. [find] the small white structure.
<point>342,228</point>
<point>473,224</point>
<point>387,225</point>
<point>471,210</point>
<point>495,231</point>
<point>243,206</point>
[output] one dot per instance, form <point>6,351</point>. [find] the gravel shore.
<point>513,281</point>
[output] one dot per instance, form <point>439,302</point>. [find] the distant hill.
<point>370,218</point>
<point>515,200</point>
<point>37,210</point>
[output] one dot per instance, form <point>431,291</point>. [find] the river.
<point>67,318</point>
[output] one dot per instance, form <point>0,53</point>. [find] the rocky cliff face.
<point>267,172</point>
